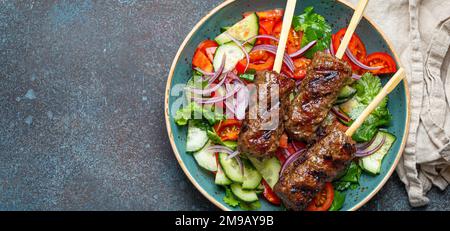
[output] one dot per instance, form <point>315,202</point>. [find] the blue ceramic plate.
<point>338,14</point>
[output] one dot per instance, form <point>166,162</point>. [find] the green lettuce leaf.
<point>338,201</point>
<point>195,111</point>
<point>350,179</point>
<point>366,90</point>
<point>229,198</point>
<point>212,135</point>
<point>314,27</point>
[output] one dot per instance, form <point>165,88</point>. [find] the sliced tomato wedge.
<point>356,46</point>
<point>265,28</point>
<point>285,70</point>
<point>262,31</point>
<point>267,25</point>
<point>323,200</point>
<point>202,61</point>
<point>290,149</point>
<point>277,29</point>
<point>269,194</point>
<point>299,144</point>
<point>240,66</point>
<point>381,59</point>
<point>284,141</point>
<point>260,65</point>
<point>294,42</point>
<point>228,129</point>
<point>263,65</point>
<point>300,67</point>
<point>260,55</point>
<point>274,15</point>
<point>207,44</point>
<point>210,51</point>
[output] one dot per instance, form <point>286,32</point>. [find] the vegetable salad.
<point>233,57</point>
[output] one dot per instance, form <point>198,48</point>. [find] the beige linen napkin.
<point>420,32</point>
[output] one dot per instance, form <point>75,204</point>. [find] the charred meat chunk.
<point>261,129</point>
<point>318,92</point>
<point>321,163</point>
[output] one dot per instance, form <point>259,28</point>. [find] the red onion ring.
<point>218,72</point>
<point>233,155</point>
<point>295,147</point>
<point>204,72</point>
<point>304,49</point>
<point>233,76</point>
<point>286,152</point>
<point>207,90</point>
<point>359,63</point>
<point>363,153</point>
<point>220,148</point>
<point>356,77</point>
<point>261,36</point>
<point>340,114</point>
<point>291,159</point>
<point>229,152</point>
<point>218,99</point>
<point>273,49</point>
<point>241,166</point>
<point>362,146</point>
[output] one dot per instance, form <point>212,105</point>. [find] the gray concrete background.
<point>81,108</point>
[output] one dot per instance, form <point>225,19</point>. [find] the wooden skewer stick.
<point>351,27</point>
<point>287,21</point>
<point>393,82</point>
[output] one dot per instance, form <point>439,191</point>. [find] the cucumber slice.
<point>243,30</point>
<point>233,54</point>
<point>196,138</point>
<point>252,178</point>
<point>243,194</point>
<point>348,106</point>
<point>259,189</point>
<point>268,168</point>
<point>372,163</point>
<point>221,178</point>
<point>346,92</point>
<point>206,159</point>
<point>231,168</point>
<point>341,101</point>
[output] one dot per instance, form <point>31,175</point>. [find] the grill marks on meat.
<point>304,178</point>
<point>260,135</point>
<point>318,92</point>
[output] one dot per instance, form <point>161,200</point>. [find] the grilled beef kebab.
<point>318,92</point>
<point>257,138</point>
<point>321,163</point>
<point>332,151</point>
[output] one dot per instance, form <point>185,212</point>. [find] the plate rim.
<point>194,181</point>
